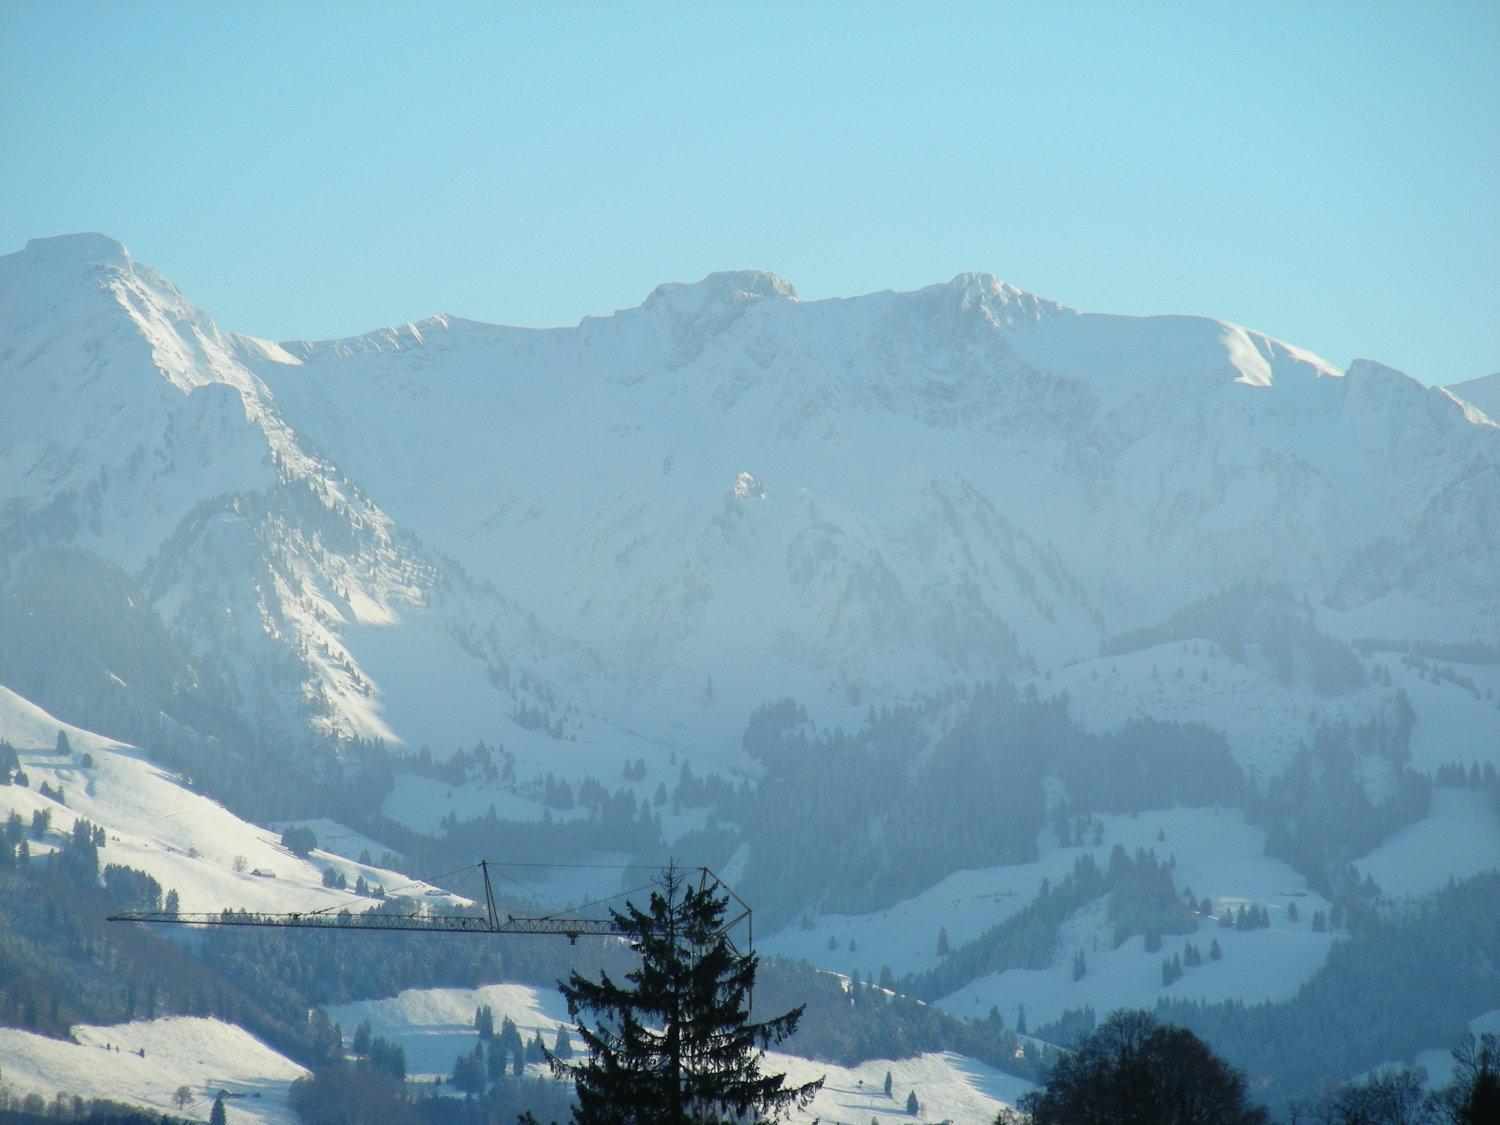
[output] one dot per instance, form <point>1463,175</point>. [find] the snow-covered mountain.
<point>847,498</point>
<point>603,546</point>
<point>133,428</point>
<point>661,518</point>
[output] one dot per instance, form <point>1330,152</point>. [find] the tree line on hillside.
<point>1262,617</point>
<point>925,804</point>
<point>1141,897</point>
<point>61,963</point>
<point>1405,980</point>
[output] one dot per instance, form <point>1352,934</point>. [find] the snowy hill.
<point>145,1062</point>
<point>153,823</point>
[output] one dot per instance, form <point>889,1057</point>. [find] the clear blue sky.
<point>1326,172</point>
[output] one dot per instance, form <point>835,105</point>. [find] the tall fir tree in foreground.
<point>674,1042</point>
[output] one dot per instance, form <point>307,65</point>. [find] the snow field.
<point>1219,856</point>
<point>1257,965</point>
<point>1264,720</point>
<point>205,1055</point>
<point>187,842</point>
<point>1458,838</point>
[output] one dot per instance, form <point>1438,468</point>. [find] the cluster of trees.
<point>1485,780</point>
<point>1461,652</point>
<point>65,1107</point>
<point>1400,1097</point>
<point>299,840</point>
<point>11,772</point>
<point>1265,616</point>
<point>379,1053</point>
<point>1141,900</point>
<point>1134,1069</point>
<point>61,963</point>
<point>338,880</point>
<point>1318,813</point>
<point>1252,917</point>
<point>497,1054</point>
<point>496,764</point>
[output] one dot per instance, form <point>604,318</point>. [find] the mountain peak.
<point>723,287</point>
<point>82,250</point>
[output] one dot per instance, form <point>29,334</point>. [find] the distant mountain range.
<point>658,519</point>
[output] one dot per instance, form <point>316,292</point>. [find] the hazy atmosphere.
<point>661,563</point>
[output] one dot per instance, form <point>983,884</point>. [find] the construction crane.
<point>492,921</point>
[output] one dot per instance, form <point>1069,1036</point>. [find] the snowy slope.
<point>185,841</point>
<point>203,1054</point>
<point>1264,719</point>
<point>436,1025</point>
<point>1460,837</point>
<point>132,427</point>
<point>1219,856</point>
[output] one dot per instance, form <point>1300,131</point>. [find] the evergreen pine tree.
<point>673,1042</point>
<point>942,944</point>
<point>887,1083</point>
<point>912,1106</point>
<point>469,1071</point>
<point>1214,952</point>
<point>218,1115</point>
<point>362,1038</point>
<point>494,1063</point>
